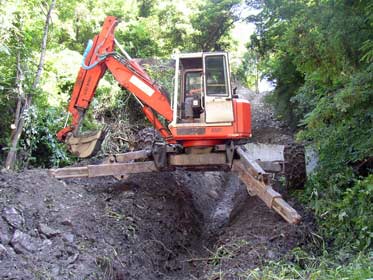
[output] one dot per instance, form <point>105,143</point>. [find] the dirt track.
<point>154,226</point>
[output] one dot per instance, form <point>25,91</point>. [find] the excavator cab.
<point>205,111</point>
<point>202,92</point>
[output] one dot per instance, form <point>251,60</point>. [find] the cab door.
<point>217,88</point>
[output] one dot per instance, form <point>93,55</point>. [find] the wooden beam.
<point>253,167</point>
<point>197,159</point>
<point>125,157</point>
<point>114,169</point>
<point>257,186</point>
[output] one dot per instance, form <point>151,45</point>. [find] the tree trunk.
<point>19,117</point>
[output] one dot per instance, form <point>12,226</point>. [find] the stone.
<point>67,222</point>
<point>271,255</point>
<point>69,237</point>
<point>4,233</point>
<point>48,231</point>
<point>13,217</point>
<point>3,251</point>
<point>47,243</point>
<point>72,258</point>
<point>23,243</point>
<point>55,270</point>
<point>128,195</point>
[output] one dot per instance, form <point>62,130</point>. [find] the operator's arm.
<point>127,72</point>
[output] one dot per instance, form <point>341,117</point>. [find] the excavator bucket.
<point>86,144</point>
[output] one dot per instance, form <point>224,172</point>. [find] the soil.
<point>179,225</point>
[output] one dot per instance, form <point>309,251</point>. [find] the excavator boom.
<point>99,57</point>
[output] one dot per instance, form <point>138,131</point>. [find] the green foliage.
<point>138,39</point>
<point>248,72</point>
<point>319,56</point>
<point>211,23</point>
<point>39,145</point>
<point>302,265</point>
<point>344,214</point>
<point>20,34</point>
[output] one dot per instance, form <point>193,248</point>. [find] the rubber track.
<point>295,166</point>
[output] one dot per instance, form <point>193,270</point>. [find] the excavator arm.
<point>100,56</point>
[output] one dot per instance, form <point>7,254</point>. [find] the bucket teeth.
<point>86,144</point>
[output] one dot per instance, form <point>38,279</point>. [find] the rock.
<point>128,194</point>
<point>48,231</point>
<point>13,217</point>
<point>271,255</point>
<point>72,258</point>
<point>3,251</point>
<point>4,233</point>
<point>55,270</point>
<point>47,243</point>
<point>213,194</point>
<point>69,237</point>
<point>67,222</point>
<point>23,243</point>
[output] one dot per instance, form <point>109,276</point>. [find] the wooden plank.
<point>266,193</point>
<point>121,168</point>
<point>252,166</point>
<point>125,157</point>
<point>197,159</point>
<point>115,169</point>
<point>69,172</point>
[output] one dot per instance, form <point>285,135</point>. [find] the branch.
<point>43,46</point>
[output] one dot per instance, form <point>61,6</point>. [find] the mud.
<point>179,225</point>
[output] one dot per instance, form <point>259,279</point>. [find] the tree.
<point>24,102</point>
<point>212,23</point>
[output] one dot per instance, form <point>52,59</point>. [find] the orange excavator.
<point>207,128</point>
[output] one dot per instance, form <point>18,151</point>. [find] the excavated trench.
<point>179,225</point>
<point>154,226</point>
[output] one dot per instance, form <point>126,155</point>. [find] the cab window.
<point>193,83</point>
<point>216,75</point>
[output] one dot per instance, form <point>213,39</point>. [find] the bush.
<point>39,146</point>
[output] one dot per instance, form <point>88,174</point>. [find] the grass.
<point>304,266</point>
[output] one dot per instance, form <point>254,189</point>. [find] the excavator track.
<point>295,166</point>
<point>146,137</point>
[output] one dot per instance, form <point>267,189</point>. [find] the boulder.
<point>4,232</point>
<point>48,231</point>
<point>24,243</point>
<point>13,217</point>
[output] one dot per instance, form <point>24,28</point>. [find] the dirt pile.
<point>95,229</point>
<point>178,225</point>
<point>153,226</point>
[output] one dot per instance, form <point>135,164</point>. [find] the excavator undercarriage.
<point>245,161</point>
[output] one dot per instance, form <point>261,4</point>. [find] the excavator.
<point>206,127</point>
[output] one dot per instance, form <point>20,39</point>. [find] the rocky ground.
<point>178,225</point>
